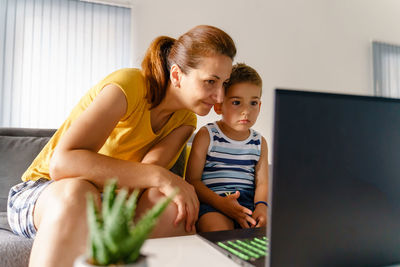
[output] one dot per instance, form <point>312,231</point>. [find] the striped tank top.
<point>230,164</point>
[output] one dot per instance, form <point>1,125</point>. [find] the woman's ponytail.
<point>155,68</point>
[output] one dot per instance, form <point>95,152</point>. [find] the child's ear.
<point>217,108</point>
<point>175,75</point>
<point>259,105</point>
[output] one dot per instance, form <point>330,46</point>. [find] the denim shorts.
<point>21,202</point>
<point>246,199</point>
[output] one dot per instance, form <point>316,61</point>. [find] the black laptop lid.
<point>336,180</point>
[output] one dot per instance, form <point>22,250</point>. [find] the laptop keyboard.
<point>247,249</point>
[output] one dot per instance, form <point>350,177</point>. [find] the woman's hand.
<point>186,199</point>
<point>231,207</point>
<point>260,215</point>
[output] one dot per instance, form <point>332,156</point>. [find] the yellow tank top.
<point>133,135</point>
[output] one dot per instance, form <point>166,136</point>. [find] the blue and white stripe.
<point>230,164</point>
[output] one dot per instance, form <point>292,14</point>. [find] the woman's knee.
<point>64,198</point>
<point>152,196</point>
<point>77,188</point>
<point>166,223</point>
<point>148,199</point>
<point>73,192</point>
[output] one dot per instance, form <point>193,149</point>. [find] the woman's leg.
<point>165,226</point>
<point>60,217</point>
<point>214,221</point>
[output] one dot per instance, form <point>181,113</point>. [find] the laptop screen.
<point>336,180</point>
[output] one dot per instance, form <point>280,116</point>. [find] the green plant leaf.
<point>115,224</point>
<point>140,232</point>
<point>114,238</point>
<point>137,238</point>
<point>131,206</point>
<point>108,196</point>
<point>98,251</point>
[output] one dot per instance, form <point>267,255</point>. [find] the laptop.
<point>335,198</point>
<point>247,247</point>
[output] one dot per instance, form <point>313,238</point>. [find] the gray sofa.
<point>18,147</point>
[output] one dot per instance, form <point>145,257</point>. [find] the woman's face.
<point>201,88</point>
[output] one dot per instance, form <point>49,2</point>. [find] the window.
<point>386,58</point>
<point>52,52</point>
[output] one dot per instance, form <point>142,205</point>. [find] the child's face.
<point>241,106</point>
<point>203,87</point>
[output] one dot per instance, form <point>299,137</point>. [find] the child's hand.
<point>232,208</point>
<point>260,215</point>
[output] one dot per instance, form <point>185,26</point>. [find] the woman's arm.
<point>162,154</point>
<point>261,192</point>
<point>164,151</point>
<point>76,153</point>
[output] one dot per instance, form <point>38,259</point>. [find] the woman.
<point>131,126</point>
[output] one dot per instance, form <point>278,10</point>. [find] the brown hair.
<point>242,73</point>
<point>186,52</point>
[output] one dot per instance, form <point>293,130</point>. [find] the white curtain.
<point>386,58</point>
<point>52,52</point>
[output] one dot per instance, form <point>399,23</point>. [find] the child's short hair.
<point>243,73</point>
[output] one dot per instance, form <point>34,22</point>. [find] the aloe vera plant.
<point>113,236</point>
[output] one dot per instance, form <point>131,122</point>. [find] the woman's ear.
<point>217,108</point>
<point>175,75</point>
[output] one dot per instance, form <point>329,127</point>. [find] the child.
<point>228,164</point>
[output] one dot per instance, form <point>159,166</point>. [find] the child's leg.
<point>214,221</point>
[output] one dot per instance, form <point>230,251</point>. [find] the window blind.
<point>386,59</point>
<point>52,52</point>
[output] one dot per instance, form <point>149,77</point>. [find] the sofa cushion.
<point>18,148</point>
<point>14,250</point>
<point>16,154</point>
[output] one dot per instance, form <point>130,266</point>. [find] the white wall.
<point>322,45</point>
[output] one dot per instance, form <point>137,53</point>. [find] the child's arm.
<point>261,194</point>
<point>227,205</point>
<point>195,166</point>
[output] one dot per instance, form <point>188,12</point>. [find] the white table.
<point>183,251</point>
